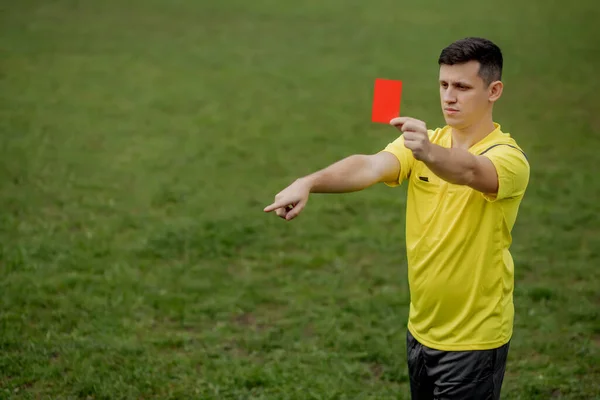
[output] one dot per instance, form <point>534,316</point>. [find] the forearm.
<point>350,174</point>
<point>456,166</point>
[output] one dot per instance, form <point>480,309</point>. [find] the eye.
<point>444,85</point>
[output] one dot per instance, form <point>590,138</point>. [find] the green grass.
<point>141,140</point>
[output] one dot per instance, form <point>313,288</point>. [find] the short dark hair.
<point>482,50</point>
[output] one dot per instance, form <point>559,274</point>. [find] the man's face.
<point>464,95</point>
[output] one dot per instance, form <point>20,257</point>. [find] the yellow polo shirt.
<point>460,270</point>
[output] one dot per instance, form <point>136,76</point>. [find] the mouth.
<point>451,111</point>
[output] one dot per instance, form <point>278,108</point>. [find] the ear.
<point>495,91</point>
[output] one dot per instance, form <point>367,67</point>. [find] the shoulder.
<point>511,164</point>
<point>502,143</point>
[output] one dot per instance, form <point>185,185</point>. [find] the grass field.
<point>141,140</point>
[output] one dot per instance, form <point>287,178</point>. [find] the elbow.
<point>480,180</point>
<point>467,177</point>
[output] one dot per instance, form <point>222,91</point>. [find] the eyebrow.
<point>459,83</point>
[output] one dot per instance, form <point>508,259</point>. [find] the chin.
<point>456,124</point>
<point>453,122</point>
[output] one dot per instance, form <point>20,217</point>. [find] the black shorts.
<point>454,375</point>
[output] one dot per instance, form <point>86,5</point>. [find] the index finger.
<point>414,126</point>
<point>399,121</point>
<point>276,205</point>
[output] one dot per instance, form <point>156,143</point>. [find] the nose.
<point>449,96</point>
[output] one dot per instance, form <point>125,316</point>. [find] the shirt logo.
<point>424,178</point>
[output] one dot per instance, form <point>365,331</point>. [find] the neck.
<point>465,137</point>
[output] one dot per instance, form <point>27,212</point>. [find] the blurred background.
<point>140,141</point>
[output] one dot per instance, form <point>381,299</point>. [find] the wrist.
<point>308,182</point>
<point>433,154</point>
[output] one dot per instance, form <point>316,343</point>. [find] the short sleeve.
<point>404,156</point>
<point>513,171</point>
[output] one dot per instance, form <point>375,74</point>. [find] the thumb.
<point>293,213</point>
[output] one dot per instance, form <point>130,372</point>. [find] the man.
<point>465,184</point>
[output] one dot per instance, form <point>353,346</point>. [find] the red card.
<point>386,100</point>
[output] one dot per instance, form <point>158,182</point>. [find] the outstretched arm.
<point>351,174</point>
